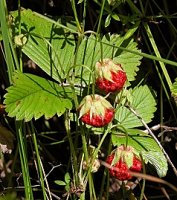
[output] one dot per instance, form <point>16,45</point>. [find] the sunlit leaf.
<point>59,182</point>
<point>32,96</point>
<point>143,102</point>
<point>49,46</point>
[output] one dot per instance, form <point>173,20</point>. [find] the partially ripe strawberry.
<point>122,160</point>
<point>110,76</point>
<point>96,111</point>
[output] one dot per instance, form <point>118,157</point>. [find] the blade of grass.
<point>6,39</point>
<point>12,64</point>
<point>170,62</point>
<point>24,161</point>
<point>157,53</point>
<point>161,80</point>
<point>38,161</point>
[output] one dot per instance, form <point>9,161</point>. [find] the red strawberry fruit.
<point>110,76</point>
<point>122,160</point>
<point>96,111</point>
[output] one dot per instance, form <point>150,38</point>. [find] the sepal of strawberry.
<point>110,76</point>
<point>122,160</point>
<point>96,111</point>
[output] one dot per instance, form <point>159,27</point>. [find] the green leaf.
<point>108,20</point>
<point>129,61</point>
<point>32,96</point>
<point>145,145</point>
<point>50,47</point>
<point>59,182</point>
<point>136,138</point>
<point>67,178</point>
<point>53,50</point>
<point>158,160</point>
<point>143,103</point>
<point>89,53</point>
<point>115,16</point>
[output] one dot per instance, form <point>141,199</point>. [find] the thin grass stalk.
<point>154,137</point>
<point>41,175</point>
<point>24,161</point>
<point>84,15</point>
<point>73,4</point>
<point>72,148</point>
<point>6,38</point>
<point>105,174</point>
<point>157,53</point>
<point>12,64</point>
<point>133,7</point>
<point>144,181</point>
<point>166,17</point>
<point>151,57</point>
<point>163,84</point>
<point>19,32</point>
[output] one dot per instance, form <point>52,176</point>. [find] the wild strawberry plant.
<point>89,83</point>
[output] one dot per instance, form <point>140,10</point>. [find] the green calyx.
<point>95,104</point>
<point>126,154</point>
<point>105,68</point>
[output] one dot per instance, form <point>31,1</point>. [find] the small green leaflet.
<point>32,96</point>
<point>143,102</point>
<point>144,145</point>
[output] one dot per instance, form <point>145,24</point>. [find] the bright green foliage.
<point>144,145</point>
<point>129,61</point>
<point>143,102</point>
<point>89,53</point>
<point>32,96</point>
<point>66,182</point>
<point>48,45</point>
<point>53,50</point>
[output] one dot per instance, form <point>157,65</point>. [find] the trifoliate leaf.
<point>145,145</point>
<point>32,96</point>
<point>143,102</point>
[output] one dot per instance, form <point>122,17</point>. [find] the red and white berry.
<point>122,160</point>
<point>96,111</point>
<point>110,77</point>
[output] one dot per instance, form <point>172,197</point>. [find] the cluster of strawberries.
<point>96,111</point>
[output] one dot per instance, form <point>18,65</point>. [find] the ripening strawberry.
<point>110,77</point>
<point>96,111</point>
<point>122,160</point>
